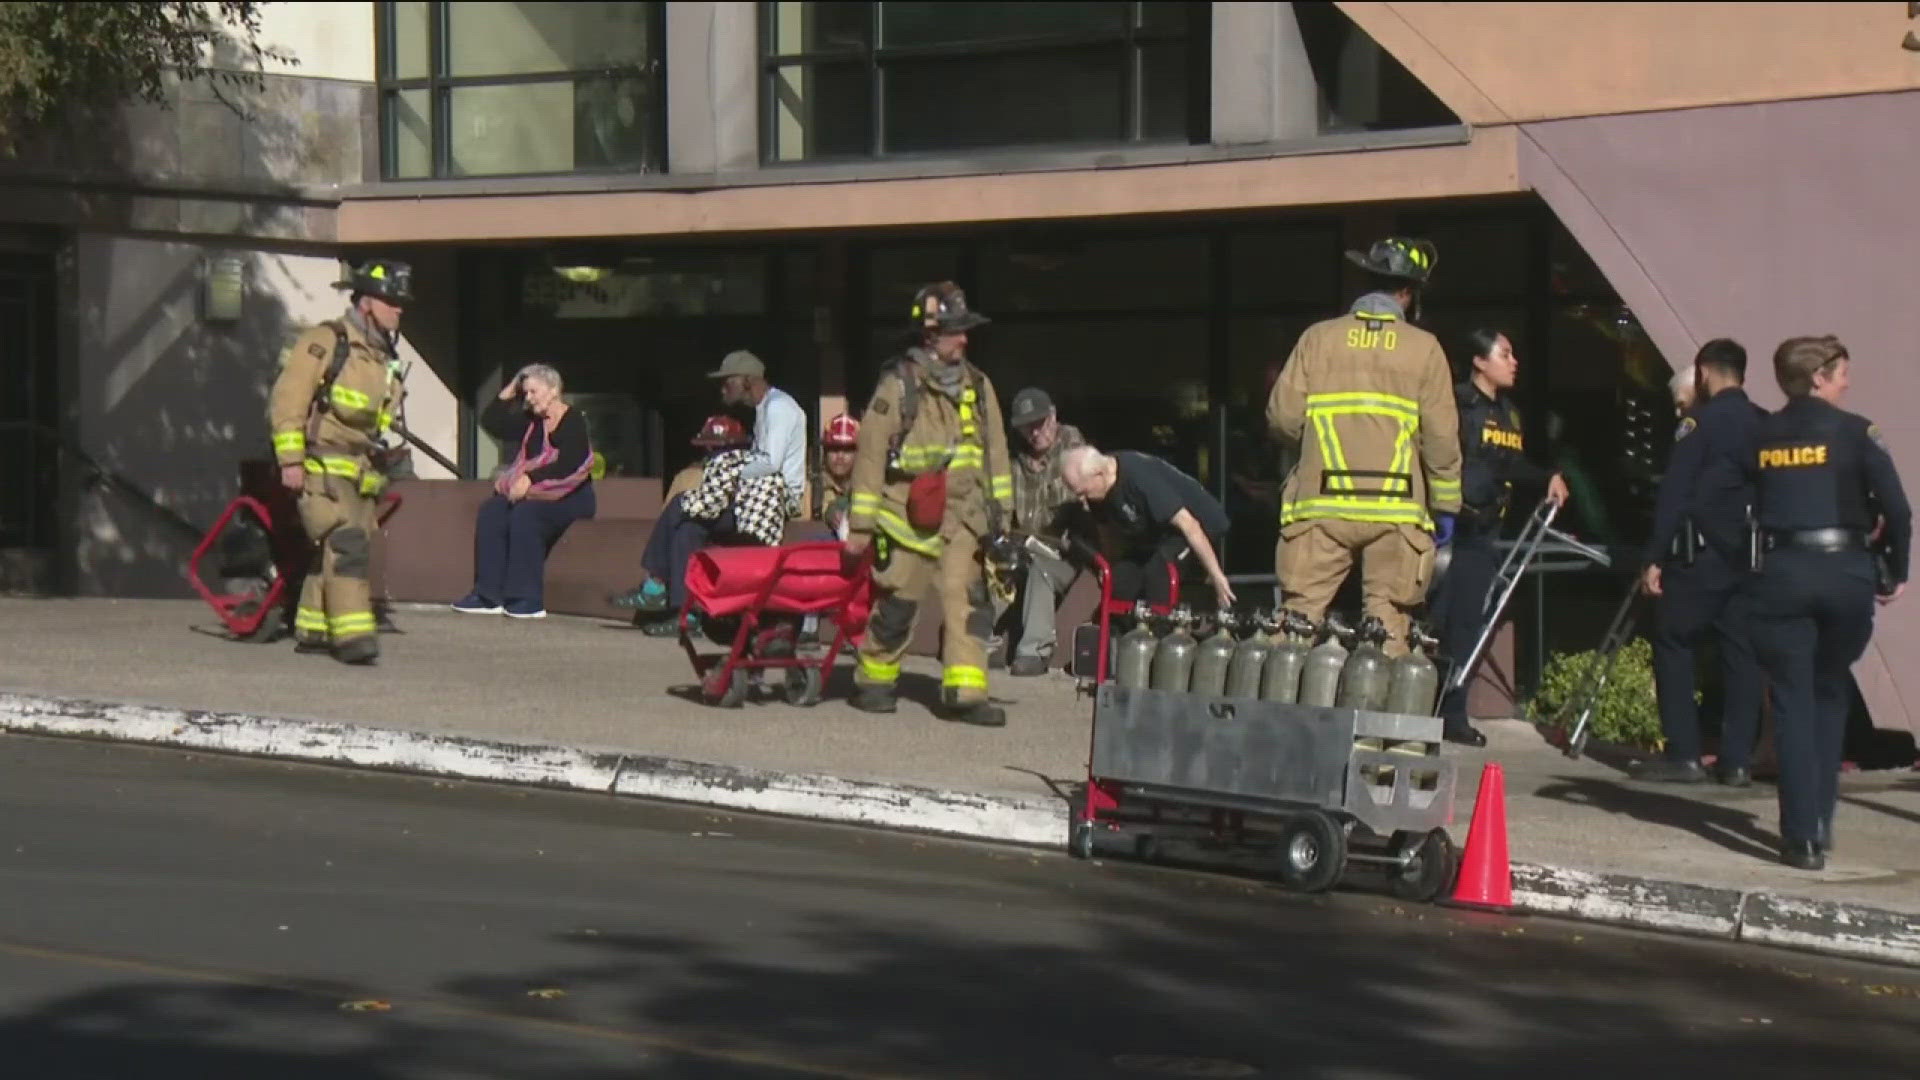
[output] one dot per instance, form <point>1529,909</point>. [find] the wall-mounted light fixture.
<point>223,288</point>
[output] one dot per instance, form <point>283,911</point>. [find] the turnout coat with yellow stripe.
<point>1370,401</point>
<point>966,437</point>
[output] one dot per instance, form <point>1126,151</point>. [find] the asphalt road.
<point>167,915</point>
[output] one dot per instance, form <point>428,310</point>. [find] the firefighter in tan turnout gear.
<point>336,396</point>
<point>932,491</point>
<point>1369,398</point>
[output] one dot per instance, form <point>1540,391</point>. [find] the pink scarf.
<point>546,490</point>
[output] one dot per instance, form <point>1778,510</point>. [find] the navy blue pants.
<point>1812,618</point>
<point>1457,609</point>
<point>675,538</point>
<point>511,541</point>
<point>1707,596</point>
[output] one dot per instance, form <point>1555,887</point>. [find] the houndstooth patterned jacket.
<point>760,507</point>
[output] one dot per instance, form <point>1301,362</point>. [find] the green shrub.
<point>1627,713</point>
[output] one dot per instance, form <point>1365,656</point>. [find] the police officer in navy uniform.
<point>1823,474</point>
<point>1493,453</point>
<point>1697,563</point>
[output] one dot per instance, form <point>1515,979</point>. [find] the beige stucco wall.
<point>1502,63</point>
<point>1486,166</point>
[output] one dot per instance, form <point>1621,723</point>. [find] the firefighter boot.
<point>360,650</point>
<point>874,698</point>
<point>977,713</point>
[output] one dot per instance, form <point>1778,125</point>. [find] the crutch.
<point>1586,697</point>
<point>1519,557</point>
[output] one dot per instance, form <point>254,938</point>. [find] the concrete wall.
<point>1763,222</point>
<point>330,41</point>
<point>174,403</point>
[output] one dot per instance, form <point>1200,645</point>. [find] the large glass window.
<point>872,79</point>
<point>516,88</point>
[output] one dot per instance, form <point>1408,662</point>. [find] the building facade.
<point>1150,199</point>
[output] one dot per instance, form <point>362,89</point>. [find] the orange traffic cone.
<point>1486,877</point>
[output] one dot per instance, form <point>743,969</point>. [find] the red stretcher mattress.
<point>814,578</point>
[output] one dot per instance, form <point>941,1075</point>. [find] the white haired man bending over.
<point>1161,514</point>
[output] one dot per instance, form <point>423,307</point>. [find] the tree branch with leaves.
<point>57,56</point>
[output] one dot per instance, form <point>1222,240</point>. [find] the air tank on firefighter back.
<point>1133,653</point>
<point>1250,658</point>
<point>1213,656</point>
<point>1281,681</point>
<point>1416,679</point>
<point>1173,660</point>
<point>1366,678</point>
<point>1320,677</point>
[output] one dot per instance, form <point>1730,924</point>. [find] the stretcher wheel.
<point>1080,840</point>
<point>1313,850</point>
<point>802,686</point>
<point>1429,871</point>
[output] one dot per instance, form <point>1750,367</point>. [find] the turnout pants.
<point>1812,619</point>
<point>1694,600</point>
<point>901,579</point>
<point>336,600</point>
<point>1396,562</point>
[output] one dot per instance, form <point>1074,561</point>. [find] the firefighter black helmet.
<point>388,279</point>
<point>1399,258</point>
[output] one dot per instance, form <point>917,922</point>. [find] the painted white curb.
<point>1623,900</point>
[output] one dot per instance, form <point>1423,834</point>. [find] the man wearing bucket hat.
<point>1042,503</point>
<point>335,398</point>
<point>1377,479</point>
<point>779,425</point>
<point>932,492</point>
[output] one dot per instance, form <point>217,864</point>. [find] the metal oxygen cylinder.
<point>1416,678</point>
<point>1281,681</point>
<point>1250,659</point>
<point>1365,679</point>
<point>1212,658</point>
<point>1320,677</point>
<point>1173,660</point>
<point>1133,654</point>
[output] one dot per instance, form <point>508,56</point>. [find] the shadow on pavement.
<point>1732,828</point>
<point>1316,989</point>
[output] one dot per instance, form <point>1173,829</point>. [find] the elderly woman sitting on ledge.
<point>547,488</point>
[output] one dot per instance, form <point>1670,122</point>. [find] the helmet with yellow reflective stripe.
<point>1400,258</point>
<point>388,279</point>
<point>941,308</point>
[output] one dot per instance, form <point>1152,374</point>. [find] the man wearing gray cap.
<point>779,427</point>
<point>1041,505</point>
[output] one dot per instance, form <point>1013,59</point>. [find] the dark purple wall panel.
<point>1761,222</point>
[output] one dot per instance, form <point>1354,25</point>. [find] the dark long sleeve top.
<point>1820,467</point>
<point>508,421</point>
<point>1493,453</point>
<point>1709,476</point>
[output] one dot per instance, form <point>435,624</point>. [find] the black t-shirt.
<point>1147,492</point>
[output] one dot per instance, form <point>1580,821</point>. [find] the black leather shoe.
<point>1464,734</point>
<point>1802,855</point>
<point>980,714</point>
<point>874,699</point>
<point>1736,776</point>
<point>1027,667</point>
<point>1662,771</point>
<point>1823,836</point>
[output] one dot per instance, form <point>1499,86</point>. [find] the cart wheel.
<point>1080,840</point>
<point>1313,851</point>
<point>732,695</point>
<point>802,686</point>
<point>1429,871</point>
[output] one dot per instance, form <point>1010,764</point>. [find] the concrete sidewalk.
<point>596,705</point>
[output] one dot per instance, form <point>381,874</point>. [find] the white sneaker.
<point>476,606</point>
<point>540,614</point>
